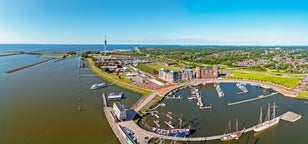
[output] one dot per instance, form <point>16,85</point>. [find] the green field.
<point>303,95</point>
<point>285,80</point>
<point>158,67</point>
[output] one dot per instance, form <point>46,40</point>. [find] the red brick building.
<point>202,73</point>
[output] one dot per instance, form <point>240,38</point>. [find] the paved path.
<point>283,90</point>
<point>114,126</point>
<point>141,133</point>
<point>144,101</point>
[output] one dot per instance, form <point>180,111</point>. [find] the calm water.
<point>39,105</point>
<point>214,121</point>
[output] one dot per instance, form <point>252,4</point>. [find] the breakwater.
<point>28,66</point>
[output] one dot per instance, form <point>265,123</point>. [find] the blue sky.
<point>227,22</point>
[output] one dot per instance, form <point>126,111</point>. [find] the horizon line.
<point>283,45</point>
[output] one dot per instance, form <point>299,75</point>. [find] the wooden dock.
<point>252,99</point>
<point>290,116</point>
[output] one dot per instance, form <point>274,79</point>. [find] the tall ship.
<point>270,120</point>
<point>97,86</point>
<point>232,135</point>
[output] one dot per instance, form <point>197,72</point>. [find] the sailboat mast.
<point>229,127</point>
<point>180,123</point>
<point>260,118</point>
<point>274,107</point>
<point>268,116</point>
<point>236,125</point>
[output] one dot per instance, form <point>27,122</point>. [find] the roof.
<point>189,70</point>
<point>119,106</point>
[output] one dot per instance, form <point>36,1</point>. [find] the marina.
<point>140,133</point>
<point>209,129</point>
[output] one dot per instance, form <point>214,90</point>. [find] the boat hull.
<point>231,136</point>
<point>266,125</point>
<point>172,132</point>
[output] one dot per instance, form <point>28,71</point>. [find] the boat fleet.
<point>242,87</point>
<point>171,131</point>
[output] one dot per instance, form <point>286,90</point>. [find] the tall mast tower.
<point>105,46</point>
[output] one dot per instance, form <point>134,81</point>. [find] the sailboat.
<point>232,135</point>
<point>268,122</point>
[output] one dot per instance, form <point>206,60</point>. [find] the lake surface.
<point>40,104</point>
<point>208,122</point>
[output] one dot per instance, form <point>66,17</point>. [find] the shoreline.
<point>287,92</point>
<point>117,82</point>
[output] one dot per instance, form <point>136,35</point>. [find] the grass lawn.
<point>285,80</point>
<point>303,95</point>
<point>158,67</point>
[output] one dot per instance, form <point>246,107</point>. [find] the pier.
<point>104,100</point>
<point>252,99</point>
<point>156,107</point>
<point>28,66</point>
<point>290,116</point>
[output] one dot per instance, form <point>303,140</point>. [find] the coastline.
<point>104,76</point>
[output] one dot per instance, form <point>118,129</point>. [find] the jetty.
<point>252,99</point>
<point>104,100</point>
<point>156,107</point>
<point>28,66</point>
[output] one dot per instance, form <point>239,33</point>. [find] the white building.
<point>119,111</point>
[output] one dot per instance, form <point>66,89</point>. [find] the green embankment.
<point>287,81</point>
<point>115,79</point>
<point>303,95</point>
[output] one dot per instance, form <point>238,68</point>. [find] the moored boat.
<point>269,122</point>
<point>171,132</point>
<point>97,86</point>
<point>232,135</point>
<point>113,96</point>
